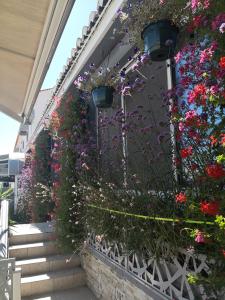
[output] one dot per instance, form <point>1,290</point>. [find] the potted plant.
<point>160,39</point>
<point>100,84</point>
<point>103,96</point>
<point>154,25</point>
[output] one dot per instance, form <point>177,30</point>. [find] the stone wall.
<point>109,282</point>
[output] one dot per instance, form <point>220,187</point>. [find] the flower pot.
<point>160,40</point>
<point>103,96</point>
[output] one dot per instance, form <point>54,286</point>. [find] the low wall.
<point>109,282</point>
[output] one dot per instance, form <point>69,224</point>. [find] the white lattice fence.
<point>167,276</point>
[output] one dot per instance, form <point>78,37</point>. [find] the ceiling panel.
<point>21,25</point>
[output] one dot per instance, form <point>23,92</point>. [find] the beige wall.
<point>108,284</point>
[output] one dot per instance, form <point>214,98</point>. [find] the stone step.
<point>52,281</point>
<point>31,233</point>
<point>31,238</point>
<point>80,293</point>
<point>33,250</point>
<point>47,264</point>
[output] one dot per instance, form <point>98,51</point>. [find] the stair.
<point>45,272</point>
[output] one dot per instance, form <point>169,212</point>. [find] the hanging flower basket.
<point>103,96</point>
<point>160,39</point>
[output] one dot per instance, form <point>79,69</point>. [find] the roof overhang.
<point>29,34</point>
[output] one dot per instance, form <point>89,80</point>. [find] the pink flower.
<point>222,28</point>
<point>214,89</point>
<point>190,115</point>
<point>218,21</point>
<point>206,4</point>
<point>57,101</point>
<point>206,55</point>
<point>181,126</point>
<point>178,57</point>
<point>195,4</point>
<point>200,238</point>
<point>191,97</point>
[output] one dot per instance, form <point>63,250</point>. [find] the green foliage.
<point>43,204</point>
<point>43,158</point>
<point>70,210</point>
<point>5,194</point>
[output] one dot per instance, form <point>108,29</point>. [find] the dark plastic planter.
<point>160,40</point>
<point>103,96</point>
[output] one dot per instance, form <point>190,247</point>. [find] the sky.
<point>78,18</point>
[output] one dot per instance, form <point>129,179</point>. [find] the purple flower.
<point>91,68</point>
<point>136,66</point>
<point>144,58</point>
<point>126,91</point>
<point>138,83</point>
<point>123,73</point>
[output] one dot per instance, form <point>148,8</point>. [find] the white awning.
<point>29,33</point>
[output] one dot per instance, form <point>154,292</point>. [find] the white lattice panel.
<point>167,276</point>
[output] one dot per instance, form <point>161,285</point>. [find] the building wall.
<point>42,101</point>
<point>24,141</point>
<point>21,143</point>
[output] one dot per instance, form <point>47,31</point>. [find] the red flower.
<point>222,141</point>
<point>215,171</point>
<point>196,22</point>
<point>209,208</point>
<point>194,167</point>
<point>56,167</point>
<point>223,252</point>
<point>198,93</point>
<point>194,135</point>
<point>177,162</point>
<point>200,89</point>
<point>181,198</point>
<point>214,140</point>
<point>222,62</point>
<point>184,153</point>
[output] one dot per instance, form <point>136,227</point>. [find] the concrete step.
<point>52,281</point>
<point>31,238</point>
<point>33,250</point>
<point>80,293</point>
<point>31,233</point>
<point>47,264</point>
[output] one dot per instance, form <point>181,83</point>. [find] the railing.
<point>9,276</point>
<point>167,277</point>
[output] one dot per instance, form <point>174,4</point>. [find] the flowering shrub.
<point>26,192</point>
<point>70,157</point>
<point>136,15</point>
<point>113,77</point>
<point>42,177</point>
<point>157,198</point>
<point>93,77</point>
